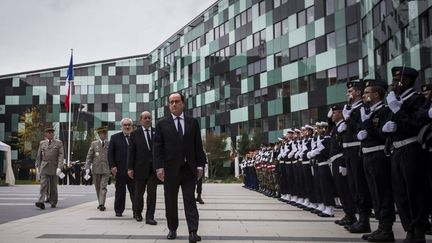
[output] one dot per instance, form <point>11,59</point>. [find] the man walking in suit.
<point>179,161</point>
<point>97,158</point>
<point>49,161</point>
<point>117,158</point>
<point>140,168</point>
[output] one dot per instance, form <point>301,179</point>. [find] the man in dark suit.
<point>117,159</point>
<point>179,161</point>
<point>140,168</point>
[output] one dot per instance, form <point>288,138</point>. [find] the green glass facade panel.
<point>310,31</point>
<point>341,55</point>
<point>319,27</point>
<point>299,102</point>
<point>336,94</point>
<point>239,115</point>
<point>25,100</point>
<point>125,98</point>
<point>297,36</point>
<point>326,60</point>
<point>274,76</point>
<point>111,116</point>
<point>263,80</point>
<point>415,57</point>
<point>111,71</point>
<point>259,23</point>
<point>339,19</point>
<point>227,91</point>
<point>290,71</point>
<point>244,85</point>
<point>125,79</point>
<point>250,86</point>
<point>308,3</point>
<point>275,107</point>
<point>16,82</point>
<point>118,98</point>
<point>284,40</point>
<point>277,45</point>
<point>212,120</point>
<point>257,111</point>
<point>202,122</point>
<point>116,89</point>
<point>270,47</point>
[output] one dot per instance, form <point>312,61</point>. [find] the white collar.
<point>356,104</point>
<point>175,117</point>
<point>144,129</point>
<point>377,106</point>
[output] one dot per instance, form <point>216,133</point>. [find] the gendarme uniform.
<point>49,158</point>
<point>98,160</point>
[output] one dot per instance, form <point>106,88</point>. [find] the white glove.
<point>343,171</point>
<point>87,171</point>
<point>87,177</point>
<point>309,154</point>
<point>362,135</point>
<point>342,127</point>
<point>389,127</point>
<point>430,113</point>
<point>58,171</point>
<point>330,113</point>
<point>291,154</point>
<point>315,152</point>
<point>346,113</point>
<point>363,114</point>
<point>393,103</point>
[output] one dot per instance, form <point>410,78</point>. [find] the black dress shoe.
<point>118,214</point>
<point>199,200</point>
<point>99,206</point>
<point>193,237</point>
<point>138,217</point>
<point>324,215</point>
<point>172,234</point>
<point>40,205</point>
<point>53,206</point>
<point>102,208</point>
<point>151,222</point>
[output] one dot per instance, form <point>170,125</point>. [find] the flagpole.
<point>69,120</point>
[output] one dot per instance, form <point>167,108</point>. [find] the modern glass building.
<point>242,64</point>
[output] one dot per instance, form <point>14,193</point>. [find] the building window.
<point>352,33</point>
<point>425,30</point>
<point>350,2</point>
<point>331,75</point>
<point>240,46</point>
<point>301,18</point>
<point>277,30</point>
<point>261,8</point>
<point>104,107</point>
<point>310,14</point>
<point>311,48</point>
<point>330,6</point>
<point>276,3</point>
<point>278,60</point>
<point>331,42</point>
<point>259,38</point>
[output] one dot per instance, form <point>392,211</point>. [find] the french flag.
<point>67,83</point>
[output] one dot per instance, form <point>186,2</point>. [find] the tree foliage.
<point>217,155</point>
<point>30,131</point>
<point>243,143</point>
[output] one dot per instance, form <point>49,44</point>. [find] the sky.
<point>38,34</point>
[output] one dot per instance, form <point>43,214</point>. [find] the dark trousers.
<point>298,179</point>
<point>186,180</point>
<point>317,188</point>
<point>409,180</point>
<point>140,186</point>
<point>199,186</point>
<point>289,178</point>
<point>357,180</point>
<point>282,179</point>
<point>342,188</point>
<point>327,185</point>
<point>308,182</point>
<point>120,193</point>
<point>378,176</point>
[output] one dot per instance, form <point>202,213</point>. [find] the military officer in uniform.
<point>98,160</point>
<point>408,159</point>
<point>49,161</point>
<point>375,162</point>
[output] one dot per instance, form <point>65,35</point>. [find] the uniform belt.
<point>352,144</point>
<point>306,162</point>
<point>281,162</point>
<point>373,149</point>
<point>288,162</point>
<point>335,157</point>
<point>324,163</point>
<point>399,144</point>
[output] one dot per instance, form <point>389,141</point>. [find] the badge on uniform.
<point>375,121</point>
<point>97,153</point>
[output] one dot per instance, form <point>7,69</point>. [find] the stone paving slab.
<point>231,213</point>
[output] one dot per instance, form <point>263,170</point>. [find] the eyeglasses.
<point>127,125</point>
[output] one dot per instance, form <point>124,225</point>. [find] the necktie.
<point>103,144</point>
<point>179,128</point>
<point>148,138</point>
<point>49,142</point>
<point>127,139</point>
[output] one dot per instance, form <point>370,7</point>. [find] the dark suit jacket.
<point>169,151</point>
<point>140,158</point>
<point>117,154</point>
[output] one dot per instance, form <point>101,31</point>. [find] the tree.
<point>256,140</point>
<point>215,146</point>
<point>30,132</point>
<point>243,143</point>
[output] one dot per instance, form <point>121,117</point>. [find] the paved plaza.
<point>231,213</point>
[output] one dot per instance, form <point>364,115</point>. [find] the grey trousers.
<point>48,184</point>
<point>101,182</point>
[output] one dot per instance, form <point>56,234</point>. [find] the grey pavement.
<point>230,214</point>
